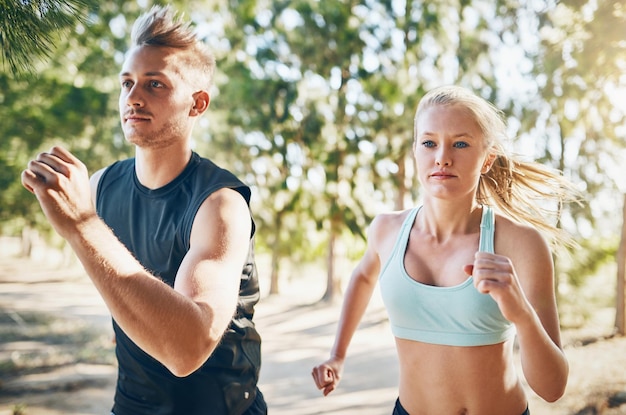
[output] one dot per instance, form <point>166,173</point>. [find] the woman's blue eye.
<point>461,144</point>
<point>428,143</point>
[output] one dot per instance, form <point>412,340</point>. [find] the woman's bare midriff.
<point>451,380</point>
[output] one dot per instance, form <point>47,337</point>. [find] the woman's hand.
<point>494,275</point>
<point>328,374</point>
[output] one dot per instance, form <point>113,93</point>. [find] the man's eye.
<point>126,84</point>
<point>155,84</point>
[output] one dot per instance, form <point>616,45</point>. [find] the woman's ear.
<point>491,158</point>
<point>201,100</point>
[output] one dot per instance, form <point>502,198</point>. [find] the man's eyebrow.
<point>155,73</point>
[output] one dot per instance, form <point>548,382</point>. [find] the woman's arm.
<point>521,281</point>
<point>358,294</point>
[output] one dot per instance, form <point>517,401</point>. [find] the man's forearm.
<point>137,299</point>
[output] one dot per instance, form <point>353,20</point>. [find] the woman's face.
<point>450,151</point>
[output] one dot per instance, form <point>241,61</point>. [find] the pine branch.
<point>28,29</point>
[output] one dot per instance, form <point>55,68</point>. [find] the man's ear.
<point>201,100</point>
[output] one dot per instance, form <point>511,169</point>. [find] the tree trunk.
<point>333,283</point>
<point>620,297</point>
<point>330,269</point>
<point>274,283</point>
<point>275,266</point>
<point>28,236</point>
<point>401,177</point>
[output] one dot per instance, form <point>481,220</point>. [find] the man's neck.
<point>157,167</point>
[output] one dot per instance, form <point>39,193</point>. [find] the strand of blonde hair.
<point>530,193</point>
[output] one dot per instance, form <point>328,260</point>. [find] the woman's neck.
<point>443,219</point>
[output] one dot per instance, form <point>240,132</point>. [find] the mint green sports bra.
<point>453,316</point>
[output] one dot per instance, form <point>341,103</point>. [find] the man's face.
<point>155,101</point>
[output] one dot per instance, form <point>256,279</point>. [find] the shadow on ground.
<point>56,355</point>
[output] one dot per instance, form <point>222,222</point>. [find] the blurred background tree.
<point>313,107</point>
<point>580,110</point>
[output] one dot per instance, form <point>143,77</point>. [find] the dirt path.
<point>296,335</point>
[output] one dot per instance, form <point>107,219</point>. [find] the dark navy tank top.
<point>155,225</point>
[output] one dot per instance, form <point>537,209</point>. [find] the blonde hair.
<point>527,192</point>
<point>162,27</point>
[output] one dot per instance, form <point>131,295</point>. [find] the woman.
<point>456,290</point>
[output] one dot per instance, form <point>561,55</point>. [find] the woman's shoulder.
<point>515,237</point>
<point>394,218</point>
<point>511,226</point>
<point>384,230</point>
<point>387,225</point>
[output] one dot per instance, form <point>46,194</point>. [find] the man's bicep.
<point>219,243</point>
<point>214,288</point>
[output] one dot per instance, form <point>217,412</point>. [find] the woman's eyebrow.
<point>463,135</point>
<point>458,135</point>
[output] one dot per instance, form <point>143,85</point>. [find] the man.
<point>169,242</point>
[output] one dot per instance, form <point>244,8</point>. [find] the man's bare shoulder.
<point>94,180</point>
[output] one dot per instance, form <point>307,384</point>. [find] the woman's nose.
<point>443,159</point>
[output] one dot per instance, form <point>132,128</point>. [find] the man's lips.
<point>136,118</point>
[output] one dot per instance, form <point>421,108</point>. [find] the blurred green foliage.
<point>314,100</point>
